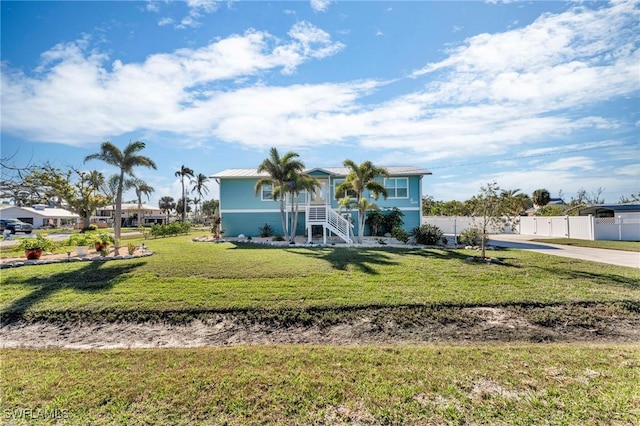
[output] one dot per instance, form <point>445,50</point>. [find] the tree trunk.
<point>118,215</point>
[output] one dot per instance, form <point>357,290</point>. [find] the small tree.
<point>490,210</point>
<point>375,221</point>
<point>540,197</point>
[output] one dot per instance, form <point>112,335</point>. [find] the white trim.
<point>250,211</point>
<point>384,183</point>
<point>262,189</point>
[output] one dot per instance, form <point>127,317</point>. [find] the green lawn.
<point>610,245</point>
<point>302,385</point>
<point>187,276</point>
<point>306,384</point>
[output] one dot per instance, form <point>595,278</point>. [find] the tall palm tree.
<point>142,188</point>
<point>182,173</point>
<point>280,171</point>
<point>166,204</point>
<point>295,186</point>
<point>125,160</point>
<point>200,188</point>
<point>360,178</point>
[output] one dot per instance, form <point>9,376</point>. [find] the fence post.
<point>592,227</point>
<point>566,219</point>
<point>619,228</point>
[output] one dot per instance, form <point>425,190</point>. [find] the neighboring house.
<point>244,212</point>
<point>150,215</point>
<point>611,210</point>
<point>40,215</point>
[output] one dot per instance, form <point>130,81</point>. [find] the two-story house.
<point>243,211</point>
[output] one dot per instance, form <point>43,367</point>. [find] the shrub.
<point>427,234</point>
<point>131,248</point>
<point>278,238</point>
<point>37,243</point>
<point>171,229</point>
<point>471,237</point>
<point>393,219</point>
<point>400,234</point>
<point>80,240</point>
<point>265,230</point>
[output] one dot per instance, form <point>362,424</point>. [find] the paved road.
<point>612,257</point>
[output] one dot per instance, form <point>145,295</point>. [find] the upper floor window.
<point>397,187</point>
<point>266,193</point>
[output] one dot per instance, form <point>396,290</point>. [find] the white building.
<point>40,215</point>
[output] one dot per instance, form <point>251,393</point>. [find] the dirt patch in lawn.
<point>594,323</point>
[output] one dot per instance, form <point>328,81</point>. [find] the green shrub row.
<point>171,229</point>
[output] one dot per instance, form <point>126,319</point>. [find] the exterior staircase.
<point>330,220</point>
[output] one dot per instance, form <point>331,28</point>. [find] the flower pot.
<point>82,250</point>
<point>101,246</point>
<point>33,254</point>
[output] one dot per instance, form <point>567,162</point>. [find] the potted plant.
<point>33,247</point>
<point>102,241</point>
<point>82,243</point>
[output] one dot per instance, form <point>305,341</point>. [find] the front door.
<point>321,195</point>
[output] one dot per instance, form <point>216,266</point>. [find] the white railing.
<point>331,219</point>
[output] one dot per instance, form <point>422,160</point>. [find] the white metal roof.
<point>336,171</point>
<point>46,212</point>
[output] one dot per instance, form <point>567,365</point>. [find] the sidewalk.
<point>611,257</point>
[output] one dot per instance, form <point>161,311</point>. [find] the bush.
<point>471,237</point>
<point>400,234</point>
<point>278,238</point>
<point>171,229</point>
<point>265,230</point>
<point>427,234</point>
<point>37,243</point>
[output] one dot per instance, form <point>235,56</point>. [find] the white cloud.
<point>77,98</point>
<point>320,5</point>
<point>630,170</point>
<point>165,21</point>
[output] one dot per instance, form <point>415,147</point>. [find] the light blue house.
<point>244,212</point>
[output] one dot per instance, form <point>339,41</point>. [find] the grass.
<point>188,276</point>
<point>300,385</point>
<point>430,384</point>
<point>610,245</point>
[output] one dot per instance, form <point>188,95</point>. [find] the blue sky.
<point>529,94</point>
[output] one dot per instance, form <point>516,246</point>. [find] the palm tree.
<point>166,204</point>
<point>184,171</point>
<point>200,188</point>
<point>125,160</point>
<point>359,179</point>
<point>540,197</point>
<point>142,188</point>
<point>295,186</point>
<point>280,171</point>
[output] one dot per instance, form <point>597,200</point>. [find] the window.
<point>397,187</point>
<point>266,193</point>
<point>350,194</point>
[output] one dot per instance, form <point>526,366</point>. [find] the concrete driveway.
<point>612,257</point>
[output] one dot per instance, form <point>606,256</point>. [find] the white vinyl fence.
<point>622,228</point>
<point>456,224</point>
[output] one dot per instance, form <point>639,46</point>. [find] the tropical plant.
<point>472,237</point>
<point>182,173</point>
<point>200,188</point>
<point>393,219</point>
<point>37,243</point>
<point>540,197</point>
<point>126,161</point>
<point>265,230</point>
<point>279,172</point>
<point>427,234</point>
<point>83,239</point>
<point>360,178</point>
<point>141,188</point>
<point>298,184</point>
<point>166,205</point>
<point>375,221</point>
<point>400,234</point>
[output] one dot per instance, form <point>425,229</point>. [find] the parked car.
<point>15,225</point>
